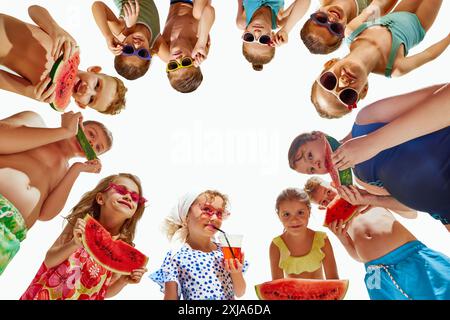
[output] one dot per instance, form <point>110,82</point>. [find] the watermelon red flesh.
<point>302,289</point>
<point>339,178</point>
<point>115,255</point>
<point>339,209</point>
<point>64,75</point>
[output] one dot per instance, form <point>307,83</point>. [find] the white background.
<point>232,134</point>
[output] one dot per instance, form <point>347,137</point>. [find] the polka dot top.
<point>199,275</point>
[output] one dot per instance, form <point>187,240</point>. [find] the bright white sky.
<point>232,134</point>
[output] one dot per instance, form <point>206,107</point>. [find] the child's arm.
<point>341,232</point>
<point>329,262</point>
<point>428,116</point>
<point>121,281</point>
<point>298,11</point>
<point>375,10</point>
<point>274,254</point>
<point>234,267</point>
<point>240,16</point>
<point>109,25</point>
<point>356,196</point>
<point>26,130</point>
<point>66,244</point>
<point>171,291</point>
<point>40,91</point>
<point>57,198</point>
<point>63,42</point>
<point>406,64</point>
<point>199,53</point>
<point>198,7</point>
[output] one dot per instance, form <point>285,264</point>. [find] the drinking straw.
<point>228,242</point>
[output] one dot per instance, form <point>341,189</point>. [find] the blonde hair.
<point>311,185</point>
<point>185,80</point>
<point>89,205</point>
<point>128,70</point>
<point>170,227</point>
<point>258,60</point>
<point>292,194</point>
<point>118,103</point>
<point>314,43</point>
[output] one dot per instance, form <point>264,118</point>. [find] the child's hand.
<point>355,196</point>
<point>352,152</point>
<point>114,45</point>
<point>42,91</point>
<point>280,38</point>
<point>91,166</point>
<point>70,122</point>
<point>131,13</point>
<point>341,231</point>
<point>199,54</point>
<point>234,265</point>
<point>135,276</point>
<point>78,231</point>
<point>63,42</point>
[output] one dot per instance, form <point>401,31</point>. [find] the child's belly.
<point>377,233</point>
<point>318,274</point>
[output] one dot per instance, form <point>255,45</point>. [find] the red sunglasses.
<point>124,191</point>
<point>209,210</point>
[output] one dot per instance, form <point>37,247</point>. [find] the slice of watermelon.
<point>340,178</point>
<point>64,75</point>
<point>85,145</point>
<point>302,289</point>
<point>339,209</point>
<point>114,255</point>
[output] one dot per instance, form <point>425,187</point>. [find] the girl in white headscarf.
<point>196,269</point>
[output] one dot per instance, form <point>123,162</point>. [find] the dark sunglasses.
<point>347,96</point>
<point>335,28</point>
<point>144,54</point>
<point>173,65</point>
<point>264,39</point>
<point>124,191</point>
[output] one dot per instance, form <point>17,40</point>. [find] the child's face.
<point>294,215</point>
<point>97,138</point>
<point>335,15</point>
<point>180,48</point>
<point>137,40</point>
<point>258,28</point>
<point>199,220</point>
<point>120,206</point>
<point>310,157</point>
<point>323,195</point>
<point>94,90</point>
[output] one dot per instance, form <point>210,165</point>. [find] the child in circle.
<point>69,271</point>
<point>300,252</point>
<point>197,270</point>
<point>258,19</point>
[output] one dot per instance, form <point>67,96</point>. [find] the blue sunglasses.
<point>142,53</point>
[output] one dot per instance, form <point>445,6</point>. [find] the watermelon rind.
<point>345,176</point>
<point>342,284</point>
<point>86,247</point>
<point>85,145</point>
<point>57,66</point>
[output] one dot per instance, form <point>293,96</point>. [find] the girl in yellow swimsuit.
<point>300,252</point>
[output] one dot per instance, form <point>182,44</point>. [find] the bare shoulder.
<point>25,118</point>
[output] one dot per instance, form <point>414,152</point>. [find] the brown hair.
<point>332,110</point>
<point>257,60</point>
<point>170,227</point>
<point>108,133</point>
<point>297,143</point>
<point>314,43</point>
<point>118,103</point>
<point>88,205</point>
<point>185,80</point>
<point>292,194</point>
<point>128,70</point>
<point>311,185</point>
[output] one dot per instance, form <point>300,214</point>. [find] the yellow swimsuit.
<point>309,262</point>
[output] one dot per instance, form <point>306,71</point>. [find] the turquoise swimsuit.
<point>405,29</point>
<point>250,6</point>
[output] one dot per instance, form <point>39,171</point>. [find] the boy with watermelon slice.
<point>391,254</point>
<point>30,51</point>
<point>35,176</point>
